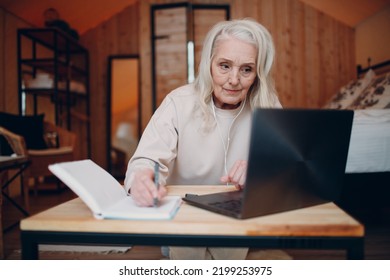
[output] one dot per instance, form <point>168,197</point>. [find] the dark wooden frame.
<point>381,67</point>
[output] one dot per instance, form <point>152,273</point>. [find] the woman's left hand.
<point>237,174</point>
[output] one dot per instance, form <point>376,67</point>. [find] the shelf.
<point>52,91</point>
<point>61,97</point>
<point>53,39</point>
<point>67,62</point>
<point>49,65</point>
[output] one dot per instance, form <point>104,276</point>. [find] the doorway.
<point>124,112</point>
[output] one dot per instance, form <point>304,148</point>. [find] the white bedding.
<point>369,149</point>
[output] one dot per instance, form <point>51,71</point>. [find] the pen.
<point>156,172</point>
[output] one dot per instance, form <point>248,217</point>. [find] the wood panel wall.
<point>315,55</point>
<point>8,62</point>
<point>118,35</point>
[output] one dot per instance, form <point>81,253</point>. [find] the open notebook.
<point>103,194</point>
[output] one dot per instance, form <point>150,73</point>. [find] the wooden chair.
<point>40,159</point>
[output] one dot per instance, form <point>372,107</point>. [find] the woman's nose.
<point>234,77</point>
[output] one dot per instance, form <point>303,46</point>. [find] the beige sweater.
<point>187,154</point>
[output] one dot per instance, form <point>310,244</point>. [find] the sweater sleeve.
<point>158,143</point>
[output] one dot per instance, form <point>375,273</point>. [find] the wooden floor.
<point>377,241</point>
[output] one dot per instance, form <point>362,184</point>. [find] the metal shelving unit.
<point>50,51</point>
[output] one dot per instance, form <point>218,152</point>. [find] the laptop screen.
<point>297,157</point>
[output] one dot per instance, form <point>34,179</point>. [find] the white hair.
<point>262,93</point>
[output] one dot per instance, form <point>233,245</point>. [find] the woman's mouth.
<point>232,91</point>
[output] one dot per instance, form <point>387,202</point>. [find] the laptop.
<point>297,159</point>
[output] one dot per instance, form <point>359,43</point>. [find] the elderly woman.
<point>200,132</point>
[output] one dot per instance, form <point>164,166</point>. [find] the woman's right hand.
<point>143,190</point>
<point>237,174</point>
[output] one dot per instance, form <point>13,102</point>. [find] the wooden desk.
<point>319,227</point>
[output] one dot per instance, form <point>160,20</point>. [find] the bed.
<point>367,189</point>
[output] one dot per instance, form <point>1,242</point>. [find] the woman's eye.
<point>224,66</point>
<point>246,70</point>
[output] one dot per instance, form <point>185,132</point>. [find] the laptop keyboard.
<point>232,205</point>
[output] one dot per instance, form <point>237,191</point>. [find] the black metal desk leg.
<point>21,167</point>
<point>29,247</point>
<point>21,209</point>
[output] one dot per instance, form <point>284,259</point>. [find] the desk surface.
<point>322,220</point>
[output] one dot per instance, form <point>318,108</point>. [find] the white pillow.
<point>348,93</point>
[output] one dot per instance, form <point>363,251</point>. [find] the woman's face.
<point>233,70</point>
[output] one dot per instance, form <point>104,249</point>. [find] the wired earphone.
<point>225,147</point>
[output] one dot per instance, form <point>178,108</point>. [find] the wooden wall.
<point>315,55</point>
<point>9,24</point>
<point>116,36</point>
<point>374,29</point>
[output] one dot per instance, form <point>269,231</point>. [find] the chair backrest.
<point>16,141</point>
